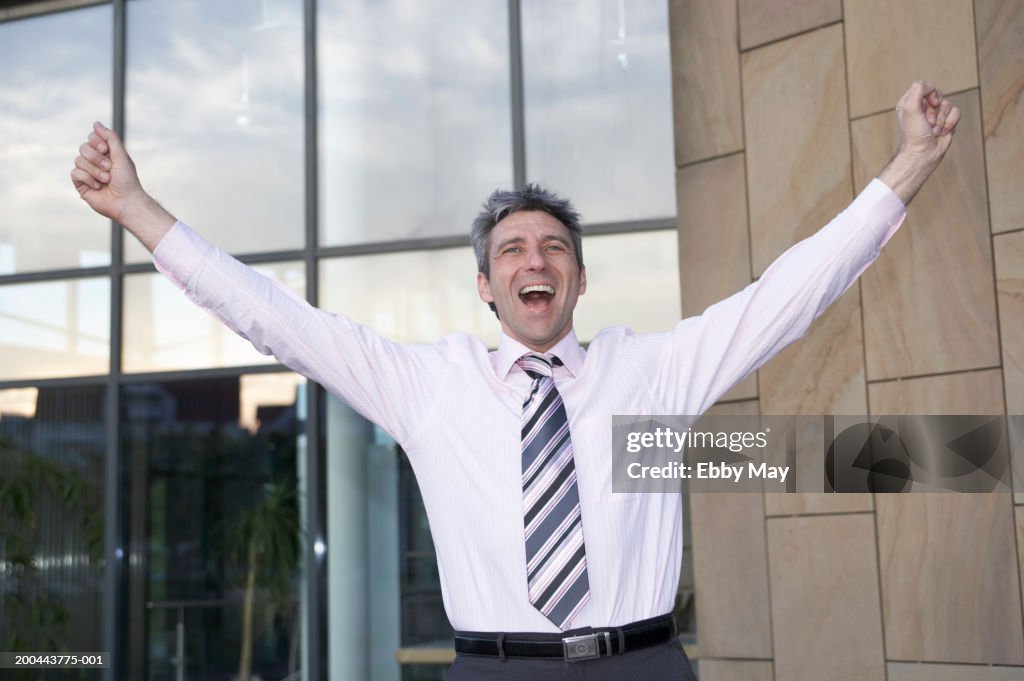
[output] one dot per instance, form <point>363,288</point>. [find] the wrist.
<point>906,172</point>
<point>146,219</point>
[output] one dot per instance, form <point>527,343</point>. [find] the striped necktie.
<point>556,563</point>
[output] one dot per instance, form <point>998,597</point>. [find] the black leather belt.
<point>573,646</point>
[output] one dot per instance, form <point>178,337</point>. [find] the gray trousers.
<point>666,661</point>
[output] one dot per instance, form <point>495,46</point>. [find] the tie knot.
<point>537,365</point>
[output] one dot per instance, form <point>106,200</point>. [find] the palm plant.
<point>265,543</point>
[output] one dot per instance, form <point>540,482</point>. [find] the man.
<point>545,573</point>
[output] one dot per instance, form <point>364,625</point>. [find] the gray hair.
<point>500,204</point>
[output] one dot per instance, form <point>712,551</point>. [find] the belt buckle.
<point>585,647</point>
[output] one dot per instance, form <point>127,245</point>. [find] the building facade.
<point>178,499</point>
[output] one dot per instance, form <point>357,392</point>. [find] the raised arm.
<point>106,179</point>
<point>739,334</point>
<point>389,383</point>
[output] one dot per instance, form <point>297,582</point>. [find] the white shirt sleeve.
<point>706,355</point>
<point>389,383</point>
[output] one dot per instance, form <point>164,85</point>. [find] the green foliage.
<point>35,616</point>
<point>269,531</point>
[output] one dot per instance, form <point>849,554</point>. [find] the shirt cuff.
<point>880,210</point>
<point>180,254</point>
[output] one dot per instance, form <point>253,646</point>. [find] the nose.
<point>535,259</point>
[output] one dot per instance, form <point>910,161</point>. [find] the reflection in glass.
<point>55,81</point>
<point>632,280</point>
<point>598,105</point>
<point>411,297</point>
<point>164,330</point>
<point>52,443</point>
<point>415,116</point>
<point>212,487</point>
<point>214,117</point>
<point>363,527</point>
<point>417,297</point>
<point>54,329</point>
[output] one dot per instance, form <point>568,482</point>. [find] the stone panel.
<point>826,621</point>
<point>705,79</point>
<point>1009,255</point>
<point>763,21</point>
<point>929,303</point>
<point>731,577</point>
<point>797,135</point>
<point>714,243</point>
<point>891,44</point>
<point>735,670</point>
<point>950,582</point>
<point>1000,53</point>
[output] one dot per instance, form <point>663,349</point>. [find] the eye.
<point>512,250</point>
<point>554,248</point>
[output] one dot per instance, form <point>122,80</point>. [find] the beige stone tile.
<point>731,577</point>
<point>950,584</point>
<point>714,243</point>
<point>824,585</point>
<point>1009,257</point>
<point>735,670</point>
<point>950,581</point>
<point>821,374</point>
<point>973,392</point>
<point>797,136</point>
<point>905,671</point>
<point>705,79</point>
<point>929,304</point>
<point>1000,28</point>
<point>762,21</point>
<point>1019,513</point>
<point>891,44</point>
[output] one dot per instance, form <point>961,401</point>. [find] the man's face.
<point>534,280</point>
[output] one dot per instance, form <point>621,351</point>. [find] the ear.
<point>483,287</point>
<point>583,280</point>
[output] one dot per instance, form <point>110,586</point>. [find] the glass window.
<point>363,545</point>
<point>164,330</point>
<point>411,297</point>
<point>598,105</point>
<point>52,444</point>
<point>213,500</point>
<point>419,296</point>
<point>55,81</point>
<point>415,116</point>
<point>632,280</point>
<point>55,328</point>
<point>214,117</point>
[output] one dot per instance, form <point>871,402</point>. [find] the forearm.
<point>146,219</point>
<point>905,174</point>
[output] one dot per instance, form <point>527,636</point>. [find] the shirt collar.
<point>568,350</point>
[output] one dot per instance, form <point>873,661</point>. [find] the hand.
<point>105,175</point>
<point>105,178</point>
<point>927,122</point>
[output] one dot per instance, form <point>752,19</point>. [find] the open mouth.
<point>536,295</point>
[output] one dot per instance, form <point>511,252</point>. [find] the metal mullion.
<point>380,247</point>
<point>629,226</point>
<point>113,549</point>
<point>68,382</point>
<point>461,241</point>
<point>39,9</point>
<point>201,374</point>
<point>515,45</point>
<point>316,564</point>
<point>53,275</point>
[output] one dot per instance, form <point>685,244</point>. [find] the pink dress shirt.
<point>455,408</point>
